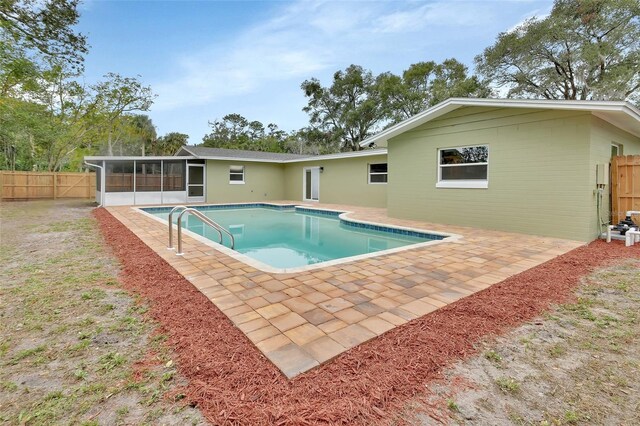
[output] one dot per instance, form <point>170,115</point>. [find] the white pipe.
<point>631,237</point>
<point>632,212</point>
<point>609,228</point>
<point>101,181</point>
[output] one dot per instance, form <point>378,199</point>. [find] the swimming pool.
<point>286,237</point>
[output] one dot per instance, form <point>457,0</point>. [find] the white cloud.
<point>257,70</point>
<point>304,38</point>
<point>538,14</point>
<point>440,13</point>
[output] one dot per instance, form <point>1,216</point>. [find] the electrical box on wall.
<point>602,174</point>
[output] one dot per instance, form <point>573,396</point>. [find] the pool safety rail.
<point>206,220</point>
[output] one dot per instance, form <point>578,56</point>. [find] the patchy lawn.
<point>577,364</point>
<point>74,347</point>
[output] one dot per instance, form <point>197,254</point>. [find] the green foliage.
<point>508,384</point>
<point>585,49</point>
<point>236,132</point>
<point>45,27</point>
<point>168,144</point>
<point>424,85</point>
<point>453,406</point>
<point>110,361</point>
<point>493,356</point>
<point>349,110</point>
<point>65,120</point>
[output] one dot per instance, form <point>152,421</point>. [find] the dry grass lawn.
<point>578,364</point>
<point>70,338</point>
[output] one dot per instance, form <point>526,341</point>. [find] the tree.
<point>311,141</point>
<point>116,96</point>
<point>45,27</point>
<point>426,84</point>
<point>585,49</point>
<point>144,130</point>
<point>23,127</point>
<point>236,132</point>
<point>349,109</point>
<point>169,144</point>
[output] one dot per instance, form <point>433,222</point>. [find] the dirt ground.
<point>577,364</point>
<point>74,347</point>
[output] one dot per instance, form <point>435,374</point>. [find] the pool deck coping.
<point>344,215</point>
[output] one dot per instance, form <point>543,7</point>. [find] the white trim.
<point>304,183</point>
<point>369,174</point>
<point>482,184</point>
<point>363,153</point>
<point>247,160</point>
<point>236,182</point>
<point>619,148</point>
<point>140,158</point>
<point>198,198</point>
<point>453,183</point>
<point>600,109</point>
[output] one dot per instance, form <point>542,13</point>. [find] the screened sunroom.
<point>122,181</point>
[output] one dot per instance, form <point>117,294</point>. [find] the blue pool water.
<point>288,238</point>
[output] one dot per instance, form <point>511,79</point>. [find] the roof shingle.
<point>201,151</point>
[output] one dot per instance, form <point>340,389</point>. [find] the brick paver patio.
<point>301,320</point>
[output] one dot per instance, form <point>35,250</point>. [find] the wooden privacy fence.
<point>625,185</point>
<point>42,185</point>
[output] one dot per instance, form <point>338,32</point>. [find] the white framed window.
<point>616,149</point>
<point>378,173</point>
<point>463,167</point>
<point>236,174</point>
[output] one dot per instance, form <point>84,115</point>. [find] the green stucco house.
<point>529,166</point>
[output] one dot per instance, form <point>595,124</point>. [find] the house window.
<point>378,173</point>
<point>236,174</point>
<point>463,167</point>
<point>616,149</point>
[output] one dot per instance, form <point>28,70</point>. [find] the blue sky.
<point>205,59</point>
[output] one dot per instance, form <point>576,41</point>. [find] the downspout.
<point>101,181</point>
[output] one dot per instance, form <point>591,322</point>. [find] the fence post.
<point>55,186</point>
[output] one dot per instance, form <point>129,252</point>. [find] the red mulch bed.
<point>233,383</point>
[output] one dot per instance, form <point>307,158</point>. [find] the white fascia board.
<point>137,158</point>
<point>248,160</point>
<point>365,153</point>
<point>451,104</point>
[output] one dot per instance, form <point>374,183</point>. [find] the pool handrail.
<point>170,247</point>
<point>206,220</point>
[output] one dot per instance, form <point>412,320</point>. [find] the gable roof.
<point>619,113</point>
<point>237,154</point>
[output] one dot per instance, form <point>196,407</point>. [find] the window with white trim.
<point>616,149</point>
<point>463,167</point>
<point>378,173</point>
<point>236,174</point>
